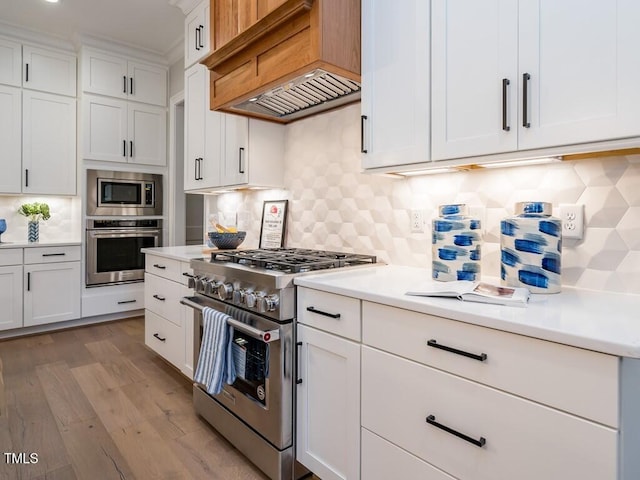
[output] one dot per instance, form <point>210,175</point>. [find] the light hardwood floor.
<point>95,403</point>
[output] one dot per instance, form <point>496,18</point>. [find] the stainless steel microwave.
<point>123,193</point>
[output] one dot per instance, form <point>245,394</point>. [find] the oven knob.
<point>192,282</point>
<point>201,283</point>
<point>238,297</point>
<point>224,291</point>
<point>250,299</point>
<point>210,287</point>
<point>268,303</point>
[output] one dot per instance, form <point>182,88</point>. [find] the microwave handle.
<point>262,335</point>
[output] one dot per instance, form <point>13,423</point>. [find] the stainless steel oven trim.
<point>93,193</point>
<point>273,421</point>
<point>93,278</point>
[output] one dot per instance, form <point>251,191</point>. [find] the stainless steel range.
<point>255,287</point>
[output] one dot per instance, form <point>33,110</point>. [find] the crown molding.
<point>29,36</point>
<point>185,5</point>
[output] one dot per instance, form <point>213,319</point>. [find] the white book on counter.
<point>481,292</point>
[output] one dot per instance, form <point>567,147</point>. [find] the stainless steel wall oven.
<point>113,249</point>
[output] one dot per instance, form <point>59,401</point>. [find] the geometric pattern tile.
<point>333,205</point>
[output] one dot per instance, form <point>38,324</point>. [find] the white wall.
<point>335,206</point>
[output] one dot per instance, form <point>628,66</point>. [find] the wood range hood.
<point>284,62</point>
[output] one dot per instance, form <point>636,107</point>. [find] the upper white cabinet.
<point>510,76</point>
<point>115,76</point>
<point>10,139</point>
<point>48,144</point>
<point>49,71</point>
<point>197,34</point>
<point>120,131</point>
<point>10,62</point>
<point>395,82</point>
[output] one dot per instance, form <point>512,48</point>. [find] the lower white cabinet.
<point>168,323</point>
<point>110,299</point>
<point>51,292</point>
<point>10,288</point>
<point>328,404</point>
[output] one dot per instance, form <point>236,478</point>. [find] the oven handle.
<point>266,336</point>
<point>123,232</point>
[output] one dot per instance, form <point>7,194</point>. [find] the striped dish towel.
<point>215,363</point>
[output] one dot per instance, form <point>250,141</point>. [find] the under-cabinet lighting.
<point>429,171</point>
<point>52,1</point>
<point>521,163</point>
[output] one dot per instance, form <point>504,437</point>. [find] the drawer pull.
<point>160,338</point>
<point>122,302</point>
<point>53,254</point>
<point>481,358</point>
<point>431,420</point>
<point>158,297</point>
<point>187,274</point>
<point>161,267</point>
<point>320,312</point>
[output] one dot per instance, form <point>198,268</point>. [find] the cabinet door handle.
<point>122,302</point>
<point>28,281</point>
<point>481,358</point>
<point>505,123</point>
<point>161,267</point>
<point>525,100</point>
<point>124,84</point>
<point>26,177</point>
<point>130,85</point>
<point>320,312</point>
<point>159,297</point>
<point>124,148</point>
<point>130,148</point>
<point>160,338</point>
<point>26,73</point>
<point>298,379</point>
<point>241,160</point>
<point>363,118</point>
<point>197,39</point>
<point>200,36</point>
<point>62,254</point>
<point>431,420</point>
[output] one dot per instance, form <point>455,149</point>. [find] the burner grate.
<point>292,260</point>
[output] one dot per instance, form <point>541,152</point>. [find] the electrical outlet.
<point>417,221</point>
<point>572,217</point>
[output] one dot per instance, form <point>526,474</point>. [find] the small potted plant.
<point>34,212</point>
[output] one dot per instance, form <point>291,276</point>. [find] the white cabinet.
<point>49,71</point>
<point>197,34</point>
<point>10,62</point>
<point>501,80</point>
<point>168,323</point>
<point>120,131</point>
<point>48,143</point>
<point>203,133</point>
<point>10,139</point>
<point>328,389</point>
<point>52,285</point>
<point>10,288</point>
<point>395,83</point>
<point>106,74</point>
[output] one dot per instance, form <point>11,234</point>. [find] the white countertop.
<point>48,243</point>
<point>600,321</point>
<point>183,253</point>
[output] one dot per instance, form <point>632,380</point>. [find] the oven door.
<point>113,255</point>
<point>262,395</point>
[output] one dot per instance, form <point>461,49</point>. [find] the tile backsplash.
<point>64,224</point>
<point>332,205</point>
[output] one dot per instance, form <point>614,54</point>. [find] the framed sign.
<point>274,223</point>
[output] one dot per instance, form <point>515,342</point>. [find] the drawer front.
<point>382,460</point>
<point>162,297</point>
<point>329,312</point>
<point>106,303</point>
<point>522,439</point>
<point>10,256</point>
<point>70,253</point>
<point>165,338</point>
<point>572,379</point>
<point>164,267</point>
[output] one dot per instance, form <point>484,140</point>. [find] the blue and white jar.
<point>456,240</point>
<point>531,248</point>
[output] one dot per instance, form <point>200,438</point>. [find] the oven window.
<point>251,360</point>
<point>117,254</point>
<point>120,193</point>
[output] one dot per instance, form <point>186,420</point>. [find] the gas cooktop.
<point>291,260</point>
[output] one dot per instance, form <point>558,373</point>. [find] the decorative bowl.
<point>226,241</point>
